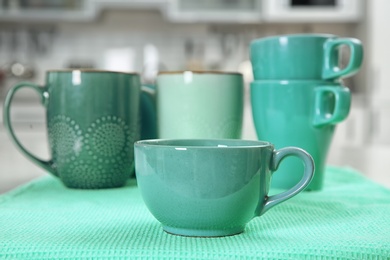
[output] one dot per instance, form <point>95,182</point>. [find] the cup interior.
<point>199,72</point>
<point>286,37</point>
<point>295,82</point>
<point>90,71</point>
<point>202,143</point>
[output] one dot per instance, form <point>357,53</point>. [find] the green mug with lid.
<point>304,57</point>
<point>302,113</point>
<point>93,120</point>
<point>211,187</point>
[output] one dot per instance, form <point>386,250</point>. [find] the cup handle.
<point>148,113</point>
<point>342,104</point>
<point>308,173</point>
<point>331,68</point>
<point>44,95</point>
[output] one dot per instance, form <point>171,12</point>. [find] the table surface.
<point>348,219</point>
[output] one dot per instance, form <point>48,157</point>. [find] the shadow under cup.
<point>92,120</point>
<point>300,113</point>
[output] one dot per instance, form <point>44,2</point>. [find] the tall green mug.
<point>93,120</point>
<point>199,104</point>
<point>304,56</point>
<point>300,113</point>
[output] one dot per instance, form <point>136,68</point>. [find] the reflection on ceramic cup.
<point>211,187</point>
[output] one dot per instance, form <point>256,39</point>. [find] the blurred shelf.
<point>46,11</point>
<point>328,11</point>
<point>221,11</point>
<point>183,11</point>
<point>66,10</point>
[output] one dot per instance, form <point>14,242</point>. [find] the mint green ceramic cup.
<point>194,104</point>
<point>303,56</point>
<point>300,113</point>
<point>92,120</point>
<point>210,187</point>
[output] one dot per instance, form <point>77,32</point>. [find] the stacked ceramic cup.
<point>298,98</point>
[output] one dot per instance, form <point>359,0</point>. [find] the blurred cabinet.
<point>189,11</point>
<point>46,10</point>
<point>66,10</point>
<point>377,60</point>
<point>380,122</point>
<point>363,140</point>
<point>373,110</point>
<point>329,11</point>
<point>248,11</point>
<point>15,168</point>
<point>30,127</point>
<point>241,11</point>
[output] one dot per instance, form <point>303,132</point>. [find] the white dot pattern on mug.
<point>107,136</point>
<point>100,156</point>
<point>65,137</point>
<point>91,174</point>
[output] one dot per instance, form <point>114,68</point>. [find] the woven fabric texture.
<point>349,219</point>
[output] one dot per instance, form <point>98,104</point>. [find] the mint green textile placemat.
<point>349,219</point>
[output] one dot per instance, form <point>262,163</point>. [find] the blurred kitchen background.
<point>151,35</point>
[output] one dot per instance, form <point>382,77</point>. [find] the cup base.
<point>203,232</point>
<point>102,186</point>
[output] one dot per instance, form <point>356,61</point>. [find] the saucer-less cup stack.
<point>297,97</point>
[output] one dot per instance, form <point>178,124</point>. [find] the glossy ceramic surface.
<point>92,121</point>
<point>148,112</point>
<point>200,105</point>
<point>302,114</point>
<point>303,56</point>
<point>211,187</point>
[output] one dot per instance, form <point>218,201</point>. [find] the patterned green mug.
<point>93,120</point>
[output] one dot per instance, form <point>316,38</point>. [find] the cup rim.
<point>92,71</point>
<point>294,81</point>
<point>199,72</point>
<point>294,35</point>
<point>170,143</point>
